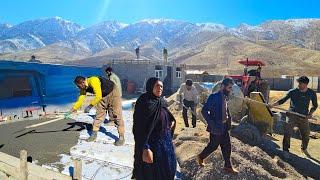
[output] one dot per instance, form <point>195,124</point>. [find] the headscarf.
<point>147,112</point>
<point>150,84</point>
<point>145,117</point>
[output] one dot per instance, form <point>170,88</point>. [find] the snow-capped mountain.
<point>3,28</point>
<point>151,33</point>
<point>38,33</point>
<point>49,30</point>
<point>100,36</point>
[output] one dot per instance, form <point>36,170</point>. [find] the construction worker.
<point>259,85</point>
<point>107,97</point>
<point>114,78</point>
<point>189,99</point>
<point>216,112</point>
<point>258,71</point>
<point>299,102</point>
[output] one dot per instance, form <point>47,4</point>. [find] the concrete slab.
<point>101,158</point>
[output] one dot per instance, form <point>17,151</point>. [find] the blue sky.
<point>227,12</point>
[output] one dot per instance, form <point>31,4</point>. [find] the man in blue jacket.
<point>215,112</point>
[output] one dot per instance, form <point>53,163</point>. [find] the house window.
<point>158,74</point>
<point>178,72</point>
<point>158,71</point>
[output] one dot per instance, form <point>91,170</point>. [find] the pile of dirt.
<point>266,160</point>
<point>252,162</point>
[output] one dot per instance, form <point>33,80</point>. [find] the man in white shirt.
<point>189,100</point>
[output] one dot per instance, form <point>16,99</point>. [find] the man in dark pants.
<point>299,102</point>
<point>190,100</point>
<point>215,111</point>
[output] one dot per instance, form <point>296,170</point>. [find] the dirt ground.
<point>265,161</point>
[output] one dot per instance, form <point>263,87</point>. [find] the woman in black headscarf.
<point>153,127</point>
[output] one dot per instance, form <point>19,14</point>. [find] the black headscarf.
<point>147,112</point>
<point>150,84</point>
<point>145,117</point>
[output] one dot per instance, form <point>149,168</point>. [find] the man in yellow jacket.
<point>107,98</point>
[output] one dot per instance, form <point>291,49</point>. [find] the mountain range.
<point>288,47</point>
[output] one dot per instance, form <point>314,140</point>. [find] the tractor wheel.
<point>247,133</point>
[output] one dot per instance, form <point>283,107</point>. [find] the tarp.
<point>50,84</point>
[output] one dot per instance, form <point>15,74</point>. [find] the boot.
<point>231,170</point>
<point>93,137</point>
<point>120,141</point>
<point>200,161</point>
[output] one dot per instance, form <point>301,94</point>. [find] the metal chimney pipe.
<point>165,55</point>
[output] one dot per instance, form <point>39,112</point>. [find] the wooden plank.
<point>8,169</point>
<point>10,165</point>
<point>312,119</point>
<point>43,123</point>
<point>77,169</point>
<point>51,121</point>
<point>23,171</point>
<point>46,173</point>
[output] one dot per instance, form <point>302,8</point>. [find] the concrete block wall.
<point>280,84</point>
<point>176,82</point>
<point>204,77</point>
<point>139,73</point>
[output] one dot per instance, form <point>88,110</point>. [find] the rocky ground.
<point>264,161</point>
<point>252,162</point>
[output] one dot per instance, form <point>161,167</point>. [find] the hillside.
<point>288,47</point>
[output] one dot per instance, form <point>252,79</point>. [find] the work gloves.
<point>87,109</point>
<point>67,115</point>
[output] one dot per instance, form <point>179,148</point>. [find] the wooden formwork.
<point>21,169</point>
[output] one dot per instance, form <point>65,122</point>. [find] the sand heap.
<point>252,162</point>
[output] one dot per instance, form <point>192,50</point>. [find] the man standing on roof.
<point>107,97</point>
<point>189,100</point>
<point>300,99</point>
<point>114,78</point>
